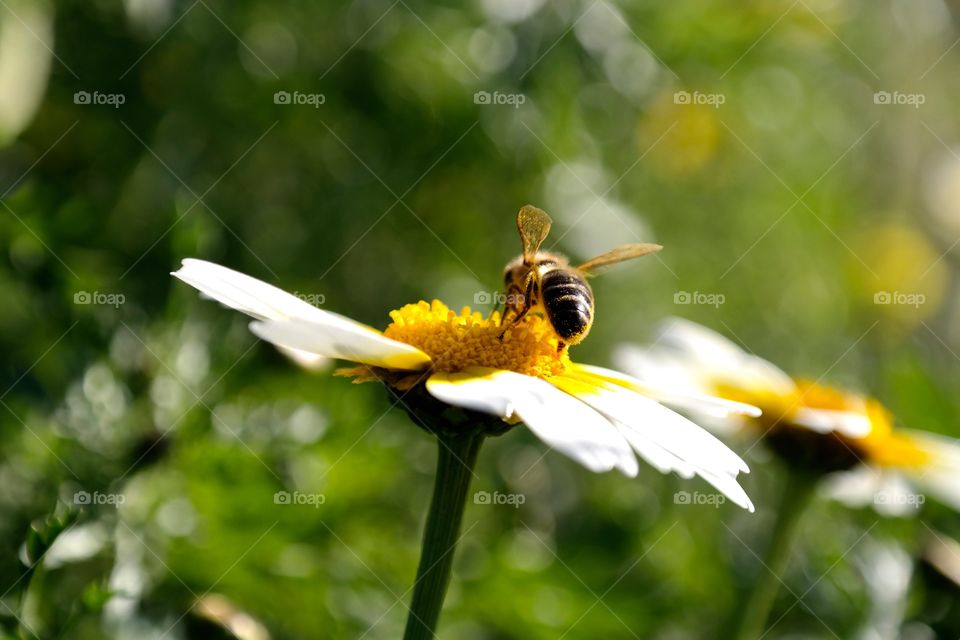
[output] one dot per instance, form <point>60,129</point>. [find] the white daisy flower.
<point>807,423</point>
<point>601,418</point>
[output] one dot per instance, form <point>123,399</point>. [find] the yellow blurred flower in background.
<point>902,273</point>
<point>680,132</point>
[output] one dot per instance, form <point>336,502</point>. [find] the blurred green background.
<point>799,160</point>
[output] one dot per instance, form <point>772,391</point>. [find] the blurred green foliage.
<point>797,200</point>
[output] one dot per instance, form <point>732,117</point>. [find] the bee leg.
<point>560,346</point>
<point>507,301</point>
<point>527,305</point>
<point>506,320</point>
<point>517,319</point>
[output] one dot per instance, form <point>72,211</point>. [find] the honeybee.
<point>544,282</point>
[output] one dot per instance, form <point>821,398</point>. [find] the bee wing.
<point>620,254</point>
<point>534,225</point>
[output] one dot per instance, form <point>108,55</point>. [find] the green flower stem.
<point>797,492</point>
<point>457,455</point>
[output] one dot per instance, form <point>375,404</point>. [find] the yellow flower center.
<point>813,394</point>
<point>456,341</point>
<point>888,448</point>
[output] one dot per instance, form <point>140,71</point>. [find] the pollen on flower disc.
<point>457,341</point>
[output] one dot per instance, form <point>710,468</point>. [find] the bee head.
<point>515,272</point>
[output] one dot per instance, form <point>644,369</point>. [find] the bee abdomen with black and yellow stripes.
<point>568,301</point>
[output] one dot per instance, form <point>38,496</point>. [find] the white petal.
<point>944,554</point>
<point>345,340</point>
<point>686,441</point>
<point>479,389</point>
<point>310,361</point>
<point>330,335</point>
<point>896,498</point>
<point>701,343</point>
<point>667,428</point>
<point>727,485</point>
<point>244,293</point>
<point>712,357</point>
<point>940,475</point>
<point>656,365</point>
<point>693,401</point>
<point>655,455</point>
<point>715,352</point>
<point>852,424</point>
<point>561,421</point>
<point>854,488</point>
<point>884,489</point>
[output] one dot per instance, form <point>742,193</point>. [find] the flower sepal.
<point>812,453</point>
